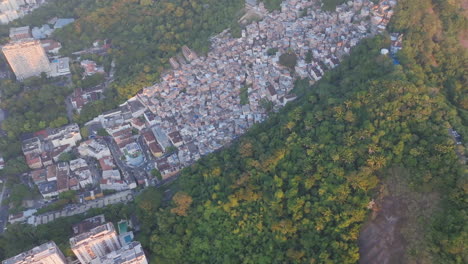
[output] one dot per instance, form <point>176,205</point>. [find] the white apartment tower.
<point>46,253</point>
<point>96,243</point>
<point>26,58</point>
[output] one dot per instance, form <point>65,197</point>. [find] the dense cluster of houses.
<point>43,152</point>
<point>199,101</point>
<point>52,175</point>
<point>133,120</point>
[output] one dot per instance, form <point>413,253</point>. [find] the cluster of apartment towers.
<point>95,241</point>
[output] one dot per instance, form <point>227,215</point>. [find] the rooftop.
<point>130,253</point>
<point>88,224</point>
<point>91,234</point>
<point>36,255</point>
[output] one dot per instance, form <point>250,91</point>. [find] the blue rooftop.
<point>61,22</point>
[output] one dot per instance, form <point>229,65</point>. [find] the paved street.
<point>3,209</point>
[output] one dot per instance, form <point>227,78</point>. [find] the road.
<point>69,108</point>
<point>3,210</point>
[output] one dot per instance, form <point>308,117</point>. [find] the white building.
<point>46,253</point>
<point>94,148</point>
<point>66,135</point>
<point>112,184</point>
<point>96,243</point>
<point>77,164</point>
<point>111,174</point>
<point>2,163</point>
<point>60,67</point>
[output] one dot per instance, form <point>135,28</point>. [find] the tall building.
<point>13,9</point>
<point>9,5</point>
<point>26,58</point>
<point>10,10</point>
<point>96,243</point>
<point>129,254</point>
<point>46,253</point>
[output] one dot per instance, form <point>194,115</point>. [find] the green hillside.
<point>295,189</point>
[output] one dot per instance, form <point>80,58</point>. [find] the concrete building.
<point>46,253</point>
<point>88,224</point>
<point>96,243</point>
<point>60,67</point>
<point>128,254</point>
<point>38,176</point>
<point>112,184</point>
<point>91,68</point>
<point>41,32</point>
<point>107,163</point>
<point>20,33</point>
<point>111,174</point>
<point>66,135</point>
<point>93,199</point>
<point>32,145</point>
<point>189,54</point>
<point>33,160</point>
<point>26,58</point>
<point>10,5</point>
<point>94,148</point>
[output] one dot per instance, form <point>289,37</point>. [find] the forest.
<point>295,189</point>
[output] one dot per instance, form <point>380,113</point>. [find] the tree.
<point>15,166</point>
<point>149,200</point>
<point>84,132</point>
<point>67,156</point>
<point>182,201</point>
<point>309,57</point>
<point>102,132</point>
<point>288,60</point>
<point>70,196</point>
<point>272,51</point>
<point>266,104</point>
<point>155,173</point>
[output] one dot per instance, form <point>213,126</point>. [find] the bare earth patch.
<point>463,37</point>
<point>380,240</point>
<point>395,232</point>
